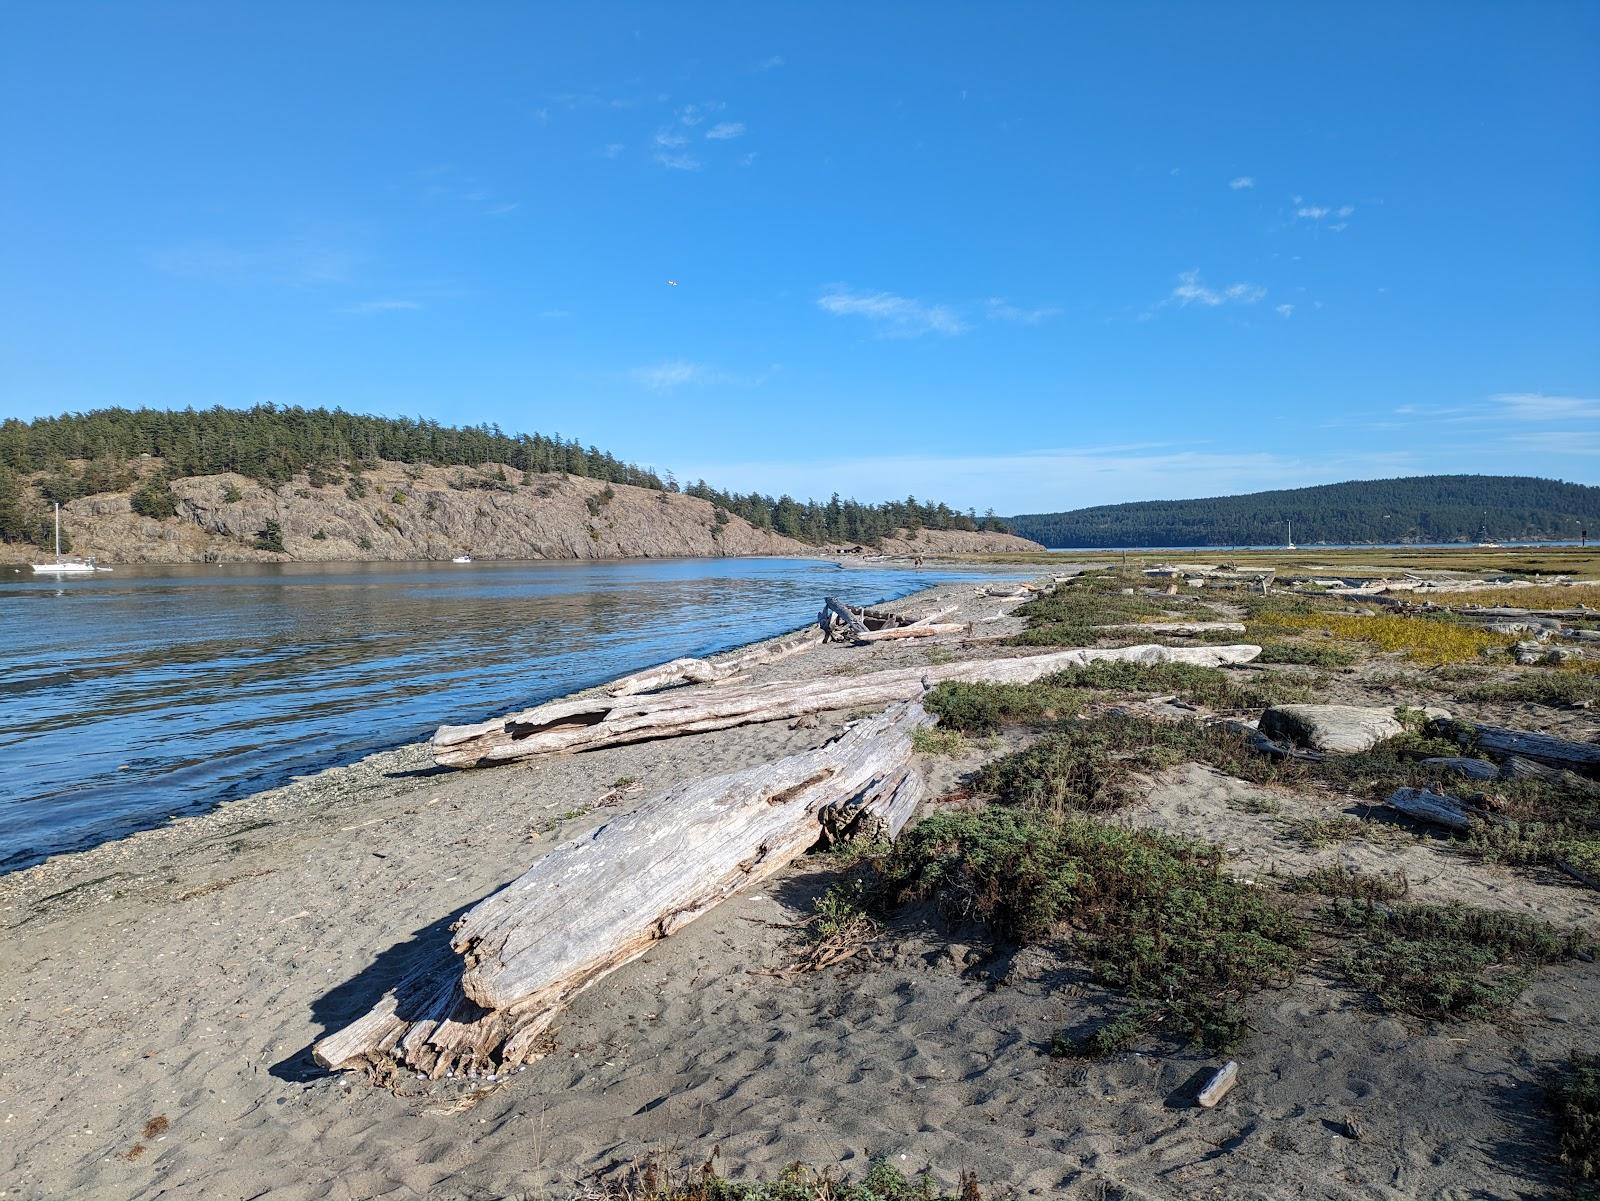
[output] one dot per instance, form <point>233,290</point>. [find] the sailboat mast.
<point>58,531</point>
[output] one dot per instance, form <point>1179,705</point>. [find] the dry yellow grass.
<point>1422,639</point>
<point>1559,597</point>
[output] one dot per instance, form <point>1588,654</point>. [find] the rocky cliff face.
<point>397,513</point>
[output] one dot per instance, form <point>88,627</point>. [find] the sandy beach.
<point>164,991</point>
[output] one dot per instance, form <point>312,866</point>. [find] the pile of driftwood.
<point>839,621</point>
<point>485,1001</point>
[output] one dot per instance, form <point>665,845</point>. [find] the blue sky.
<point>1020,256</point>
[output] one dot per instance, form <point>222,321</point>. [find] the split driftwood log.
<point>596,902</point>
<point>1503,743</point>
<point>590,722</point>
<point>1435,808</point>
<point>701,671</point>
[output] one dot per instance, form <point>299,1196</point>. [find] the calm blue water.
<point>153,691</point>
<point>1068,550</point>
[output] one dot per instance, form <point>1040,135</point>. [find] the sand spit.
<point>164,990</point>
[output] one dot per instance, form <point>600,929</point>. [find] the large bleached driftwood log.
<point>1502,743</point>
<point>591,722</point>
<point>663,675</point>
<point>600,900</point>
<point>919,630</point>
<point>701,671</point>
<point>1182,627</point>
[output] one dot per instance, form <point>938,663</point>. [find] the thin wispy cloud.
<point>895,316</point>
<point>672,374</point>
<point>997,308</point>
<point>589,100</point>
<point>1318,213</point>
<point>770,64</point>
<point>693,114</point>
<point>1558,442</point>
<point>382,306</point>
<point>295,262</point>
<point>1498,411</point>
<point>1536,406</point>
<point>611,150</point>
<point>678,373</point>
<point>1243,181</point>
<point>449,189</point>
<point>687,120</point>
<point>1190,289</point>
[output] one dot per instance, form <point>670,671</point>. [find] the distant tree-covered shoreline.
<point>1427,508</point>
<point>80,454</point>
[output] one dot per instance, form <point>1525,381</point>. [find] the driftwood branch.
<point>600,900</point>
<point>591,722</point>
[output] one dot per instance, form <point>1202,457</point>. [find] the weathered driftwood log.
<point>1469,769</point>
<point>1219,1085</point>
<point>1182,627</point>
<point>588,723</point>
<point>596,902</point>
<point>1435,808</point>
<point>1501,743</point>
<point>1271,747</point>
<point>912,631</point>
<point>702,671</point>
<point>678,671</point>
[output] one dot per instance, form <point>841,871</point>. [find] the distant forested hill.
<point>59,459</point>
<point>1424,508</point>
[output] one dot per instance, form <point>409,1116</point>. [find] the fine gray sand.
<point>163,992</point>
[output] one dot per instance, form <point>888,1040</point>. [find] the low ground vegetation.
<point>1448,963</point>
<point>1430,639</point>
<point>1575,1101</point>
<point>1152,915</point>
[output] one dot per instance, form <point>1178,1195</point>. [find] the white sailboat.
<point>1290,544</point>
<point>68,566</point>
